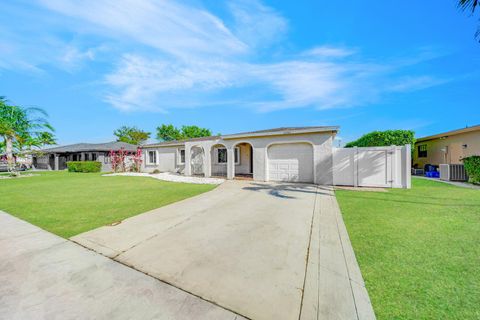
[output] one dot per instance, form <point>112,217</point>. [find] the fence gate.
<point>372,167</point>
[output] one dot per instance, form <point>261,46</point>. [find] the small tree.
<point>137,161</point>
<point>384,138</point>
<point>113,160</point>
<point>131,135</point>
<point>167,132</point>
<point>118,160</point>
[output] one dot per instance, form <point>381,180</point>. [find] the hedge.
<point>384,138</point>
<point>472,167</point>
<point>84,166</point>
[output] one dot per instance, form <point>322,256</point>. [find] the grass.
<point>71,203</point>
<point>418,249</point>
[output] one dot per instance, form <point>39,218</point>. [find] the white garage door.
<point>290,162</point>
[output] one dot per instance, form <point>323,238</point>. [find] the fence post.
<point>355,166</point>
<point>408,166</point>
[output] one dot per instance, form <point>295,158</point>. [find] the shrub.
<point>156,171</point>
<point>384,138</point>
<point>472,167</point>
<point>84,166</point>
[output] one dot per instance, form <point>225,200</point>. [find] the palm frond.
<point>469,5</point>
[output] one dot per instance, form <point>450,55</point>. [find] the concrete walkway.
<point>262,250</point>
<point>43,276</point>
<point>453,183</point>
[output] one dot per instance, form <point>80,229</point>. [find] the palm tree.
<point>20,126</point>
<point>470,5</point>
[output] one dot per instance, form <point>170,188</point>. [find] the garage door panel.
<point>291,162</point>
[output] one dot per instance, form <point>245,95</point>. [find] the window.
<point>152,157</point>
<point>237,155</point>
<point>94,157</point>
<point>86,157</point>
<point>222,155</point>
<point>422,151</point>
<point>182,156</point>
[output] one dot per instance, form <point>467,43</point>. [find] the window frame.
<point>236,155</point>
<point>422,151</point>
<point>235,152</point>
<point>148,157</point>
<point>180,156</point>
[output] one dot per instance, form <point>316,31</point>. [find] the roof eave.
<point>280,133</point>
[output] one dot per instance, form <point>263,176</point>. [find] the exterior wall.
<point>322,156</point>
<point>168,160</point>
<point>455,149</point>
<point>42,162</point>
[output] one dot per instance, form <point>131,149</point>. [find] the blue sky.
<point>241,65</point>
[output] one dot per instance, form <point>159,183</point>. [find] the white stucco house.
<point>298,154</point>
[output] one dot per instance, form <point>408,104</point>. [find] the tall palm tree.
<point>20,126</point>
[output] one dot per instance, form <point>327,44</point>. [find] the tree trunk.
<point>9,151</point>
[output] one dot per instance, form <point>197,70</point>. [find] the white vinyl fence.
<point>372,167</point>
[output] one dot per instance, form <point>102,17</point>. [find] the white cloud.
<point>168,55</point>
<point>169,26</point>
<point>329,52</point>
<point>413,83</point>
<point>256,24</point>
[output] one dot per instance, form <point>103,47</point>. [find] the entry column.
<point>56,162</point>
<point>188,156</point>
<point>230,163</point>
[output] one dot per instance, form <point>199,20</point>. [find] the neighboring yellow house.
<point>448,147</point>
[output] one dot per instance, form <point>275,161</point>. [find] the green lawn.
<point>70,203</point>
<point>418,249</point>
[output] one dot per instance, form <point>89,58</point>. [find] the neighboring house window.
<point>152,157</point>
<point>182,156</point>
<point>94,157</point>
<point>222,155</point>
<point>86,156</point>
<point>422,151</point>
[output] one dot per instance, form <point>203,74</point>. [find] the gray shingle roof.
<point>85,147</point>
<point>281,130</point>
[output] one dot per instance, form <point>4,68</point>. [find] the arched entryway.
<point>218,156</point>
<point>243,154</point>
<point>197,159</point>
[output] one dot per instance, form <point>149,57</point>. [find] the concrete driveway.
<point>43,276</point>
<point>247,247</point>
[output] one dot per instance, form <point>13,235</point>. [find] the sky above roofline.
<point>244,65</point>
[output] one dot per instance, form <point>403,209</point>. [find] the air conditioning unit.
<point>453,172</point>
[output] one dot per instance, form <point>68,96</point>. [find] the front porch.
<point>220,160</point>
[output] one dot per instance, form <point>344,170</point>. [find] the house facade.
<point>299,154</point>
<point>57,158</point>
<point>447,147</point>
